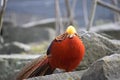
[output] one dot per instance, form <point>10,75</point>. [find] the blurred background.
<point>33,24</point>
<point>27,27</point>
<point>27,11</point>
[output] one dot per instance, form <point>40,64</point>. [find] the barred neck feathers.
<point>70,33</point>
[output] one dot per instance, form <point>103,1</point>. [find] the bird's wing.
<point>57,39</point>
<point>48,50</point>
<point>61,37</point>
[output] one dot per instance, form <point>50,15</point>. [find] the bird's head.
<point>71,31</point>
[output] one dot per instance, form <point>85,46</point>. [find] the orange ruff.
<point>66,54</point>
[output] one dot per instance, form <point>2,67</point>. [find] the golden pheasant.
<point>65,52</point>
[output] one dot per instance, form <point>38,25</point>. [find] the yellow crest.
<point>71,30</point>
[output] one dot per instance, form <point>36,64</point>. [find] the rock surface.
<point>11,64</point>
<point>111,29</point>
<point>97,46</point>
<point>107,68</point>
<point>61,76</point>
<point>27,35</point>
<point>14,47</point>
<point>112,33</point>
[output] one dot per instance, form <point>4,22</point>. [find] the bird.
<point>65,52</point>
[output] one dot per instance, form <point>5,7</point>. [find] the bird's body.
<point>65,52</point>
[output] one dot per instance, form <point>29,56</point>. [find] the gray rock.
<point>10,65</point>
<point>112,33</point>
<point>111,29</point>
<point>14,47</point>
<point>107,68</point>
<point>27,35</point>
<point>61,76</point>
<point>97,46</point>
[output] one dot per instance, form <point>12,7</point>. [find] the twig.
<point>3,6</point>
<point>59,25</point>
<point>107,5</point>
<point>85,11</point>
<point>117,15</point>
<point>70,12</point>
<point>74,4</point>
<point>94,5</point>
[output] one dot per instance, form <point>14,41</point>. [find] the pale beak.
<point>71,35</point>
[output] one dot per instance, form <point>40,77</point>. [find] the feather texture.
<point>37,67</point>
<point>65,52</point>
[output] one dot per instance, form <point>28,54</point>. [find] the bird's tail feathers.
<point>38,67</point>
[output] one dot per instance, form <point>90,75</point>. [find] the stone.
<point>14,47</point>
<point>97,46</point>
<point>106,68</point>
<point>112,33</point>
<point>111,29</point>
<point>27,35</point>
<point>61,76</point>
<point>10,65</point>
